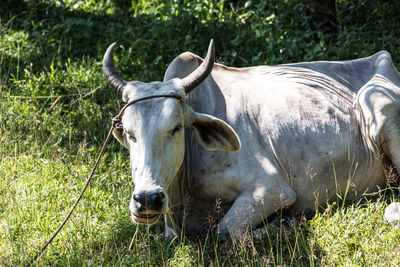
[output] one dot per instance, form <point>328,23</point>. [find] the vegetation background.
<point>56,108</point>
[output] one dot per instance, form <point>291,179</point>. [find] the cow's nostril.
<point>156,199</point>
<point>140,198</point>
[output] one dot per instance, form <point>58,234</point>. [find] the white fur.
<point>306,130</point>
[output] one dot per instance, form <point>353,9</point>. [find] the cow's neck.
<point>178,194</point>
<point>191,208</point>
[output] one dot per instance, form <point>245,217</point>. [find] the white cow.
<point>302,134</point>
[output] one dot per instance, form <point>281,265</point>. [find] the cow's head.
<point>153,131</point>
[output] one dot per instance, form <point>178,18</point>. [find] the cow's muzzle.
<point>153,200</point>
<point>148,206</point>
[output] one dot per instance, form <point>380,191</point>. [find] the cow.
<point>248,142</point>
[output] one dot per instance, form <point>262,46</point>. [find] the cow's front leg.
<point>251,207</point>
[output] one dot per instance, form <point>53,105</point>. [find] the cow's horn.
<point>200,74</point>
<point>110,72</point>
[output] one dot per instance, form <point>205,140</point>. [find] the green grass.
<point>55,110</point>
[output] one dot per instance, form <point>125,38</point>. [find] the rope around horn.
<point>116,124</point>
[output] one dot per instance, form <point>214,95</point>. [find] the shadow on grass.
<point>57,34</point>
<point>128,244</point>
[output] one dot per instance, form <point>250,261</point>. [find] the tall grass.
<point>55,108</point>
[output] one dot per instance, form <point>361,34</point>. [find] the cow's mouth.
<point>146,218</point>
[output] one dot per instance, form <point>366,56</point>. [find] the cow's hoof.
<point>392,214</point>
<point>287,221</point>
<point>225,237</point>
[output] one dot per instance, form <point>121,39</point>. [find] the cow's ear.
<point>213,133</point>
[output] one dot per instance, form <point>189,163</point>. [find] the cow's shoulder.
<point>182,65</point>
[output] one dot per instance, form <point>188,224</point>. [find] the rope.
<point>116,124</point>
<point>77,200</point>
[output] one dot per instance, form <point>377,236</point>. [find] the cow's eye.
<point>176,129</point>
<point>133,138</point>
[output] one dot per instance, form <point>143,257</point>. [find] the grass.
<point>55,108</point>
